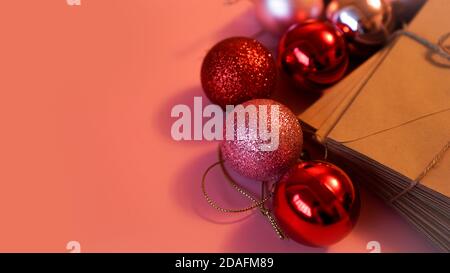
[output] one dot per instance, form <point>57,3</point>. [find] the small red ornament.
<point>236,70</point>
<point>366,24</point>
<point>316,203</point>
<point>313,54</point>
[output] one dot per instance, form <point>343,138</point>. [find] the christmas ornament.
<point>366,23</point>
<point>278,15</point>
<point>316,203</point>
<point>236,70</point>
<point>313,54</point>
<point>246,156</point>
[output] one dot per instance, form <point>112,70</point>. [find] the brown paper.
<point>325,110</point>
<point>406,86</point>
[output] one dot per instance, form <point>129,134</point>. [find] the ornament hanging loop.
<point>267,213</point>
<point>213,204</point>
<point>441,43</point>
<point>429,167</point>
<point>256,204</point>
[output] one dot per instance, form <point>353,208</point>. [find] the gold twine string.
<point>444,51</point>
<point>439,48</point>
<point>241,190</point>
<point>266,212</point>
<point>396,126</point>
<point>256,203</point>
<point>441,43</point>
<point>434,162</point>
<point>436,159</point>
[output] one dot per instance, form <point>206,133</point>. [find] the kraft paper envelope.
<point>326,110</point>
<point>323,111</point>
<point>405,87</point>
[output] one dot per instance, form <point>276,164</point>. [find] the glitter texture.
<point>236,70</point>
<point>245,157</point>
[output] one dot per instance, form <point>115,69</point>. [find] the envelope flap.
<point>406,86</point>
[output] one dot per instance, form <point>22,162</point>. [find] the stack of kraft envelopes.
<point>388,124</point>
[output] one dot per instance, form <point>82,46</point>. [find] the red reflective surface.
<point>316,203</point>
<point>313,54</point>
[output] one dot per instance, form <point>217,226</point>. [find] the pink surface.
<point>85,147</point>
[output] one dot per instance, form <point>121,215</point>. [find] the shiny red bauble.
<point>313,54</point>
<point>236,70</point>
<point>316,203</point>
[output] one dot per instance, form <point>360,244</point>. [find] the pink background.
<point>85,147</point>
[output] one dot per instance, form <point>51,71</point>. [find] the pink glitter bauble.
<point>246,157</point>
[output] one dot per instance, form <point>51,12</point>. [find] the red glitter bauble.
<point>316,203</point>
<point>236,70</point>
<point>249,157</point>
<point>313,54</point>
